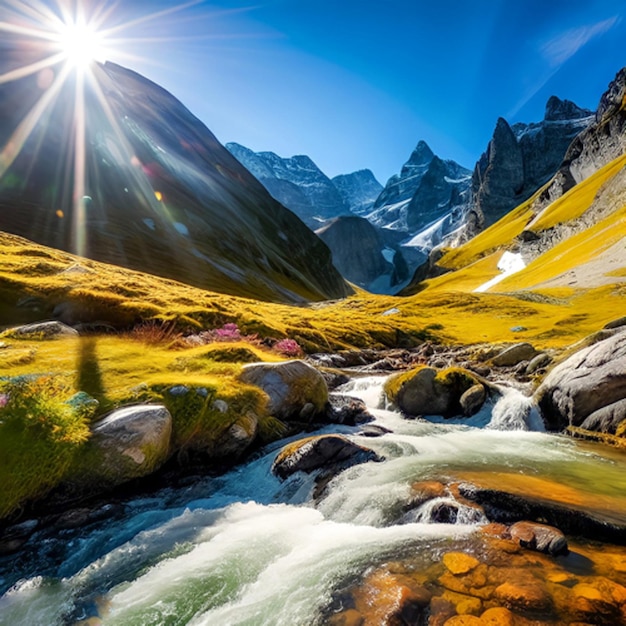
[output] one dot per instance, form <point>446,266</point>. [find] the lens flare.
<point>61,43</point>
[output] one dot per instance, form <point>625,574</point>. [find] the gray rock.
<point>332,453</point>
<point>589,380</point>
<point>539,362</point>
<point>618,323</point>
<point>539,537</point>
<point>514,354</point>
<point>234,441</point>
<point>473,399</point>
<point>606,419</point>
<point>290,386</point>
<point>357,249</point>
<point>42,330</point>
<point>425,391</point>
<point>130,443</point>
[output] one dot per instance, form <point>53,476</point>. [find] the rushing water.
<point>246,548</point>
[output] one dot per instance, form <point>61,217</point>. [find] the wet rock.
<point>594,603</point>
<point>607,419</point>
<point>441,610</point>
<point>129,443</point>
<point>473,399</point>
<point>236,439</point>
<point>426,490</point>
<point>497,616</point>
<point>539,537</point>
<point>391,599</point>
<point>332,453</point>
<point>459,562</point>
<point>524,596</point>
<point>14,537</point>
<point>373,430</point>
<point>42,330</point>
<point>541,361</point>
<point>504,507</point>
<point>515,354</point>
<point>589,380</point>
<point>348,410</point>
<point>290,386</point>
<point>464,620</point>
<point>351,617</point>
<point>426,391</point>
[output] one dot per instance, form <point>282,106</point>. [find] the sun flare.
<point>81,44</point>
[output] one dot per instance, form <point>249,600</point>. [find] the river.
<point>247,549</point>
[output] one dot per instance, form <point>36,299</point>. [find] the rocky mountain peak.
<point>559,110</point>
<point>614,98</point>
<point>422,155</point>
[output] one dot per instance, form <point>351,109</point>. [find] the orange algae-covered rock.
<point>459,562</point>
<point>386,598</point>
<point>498,616</point>
<point>525,597</point>
<point>464,620</point>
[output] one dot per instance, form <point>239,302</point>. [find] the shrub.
<point>39,435</point>
<point>288,347</point>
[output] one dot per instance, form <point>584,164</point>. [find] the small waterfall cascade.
<point>247,549</point>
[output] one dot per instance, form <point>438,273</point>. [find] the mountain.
<point>154,191</point>
<point>521,158</point>
<point>359,190</point>
<point>426,189</point>
<point>569,236</point>
<point>364,254</point>
<point>602,141</point>
<point>296,182</point>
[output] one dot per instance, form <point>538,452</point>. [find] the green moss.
<point>39,437</point>
<point>271,429</point>
<point>456,378</point>
<point>394,384</point>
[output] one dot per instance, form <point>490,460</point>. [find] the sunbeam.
<point>61,41</point>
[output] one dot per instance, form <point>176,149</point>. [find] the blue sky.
<point>356,84</point>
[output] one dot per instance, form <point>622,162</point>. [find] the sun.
<point>81,44</point>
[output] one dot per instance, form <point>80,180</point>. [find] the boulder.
<point>525,597</point>
<point>333,453</point>
<point>236,439</point>
<point>539,362</point>
<point>427,391</point>
<point>539,537</point>
<point>129,443</point>
<point>291,387</point>
<point>42,330</point>
<point>473,399</point>
<point>589,380</point>
<point>607,419</point>
<point>515,354</point>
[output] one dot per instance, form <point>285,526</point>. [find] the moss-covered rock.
<point>427,391</point>
<point>296,390</point>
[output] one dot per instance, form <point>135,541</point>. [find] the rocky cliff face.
<point>295,182</point>
<point>159,193</point>
<point>364,254</point>
<point>425,190</point>
<point>603,140</point>
<point>359,190</point>
<point>521,158</point>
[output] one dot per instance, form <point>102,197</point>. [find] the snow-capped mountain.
<point>359,190</point>
<point>426,189</point>
<point>153,191</point>
<point>296,182</point>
